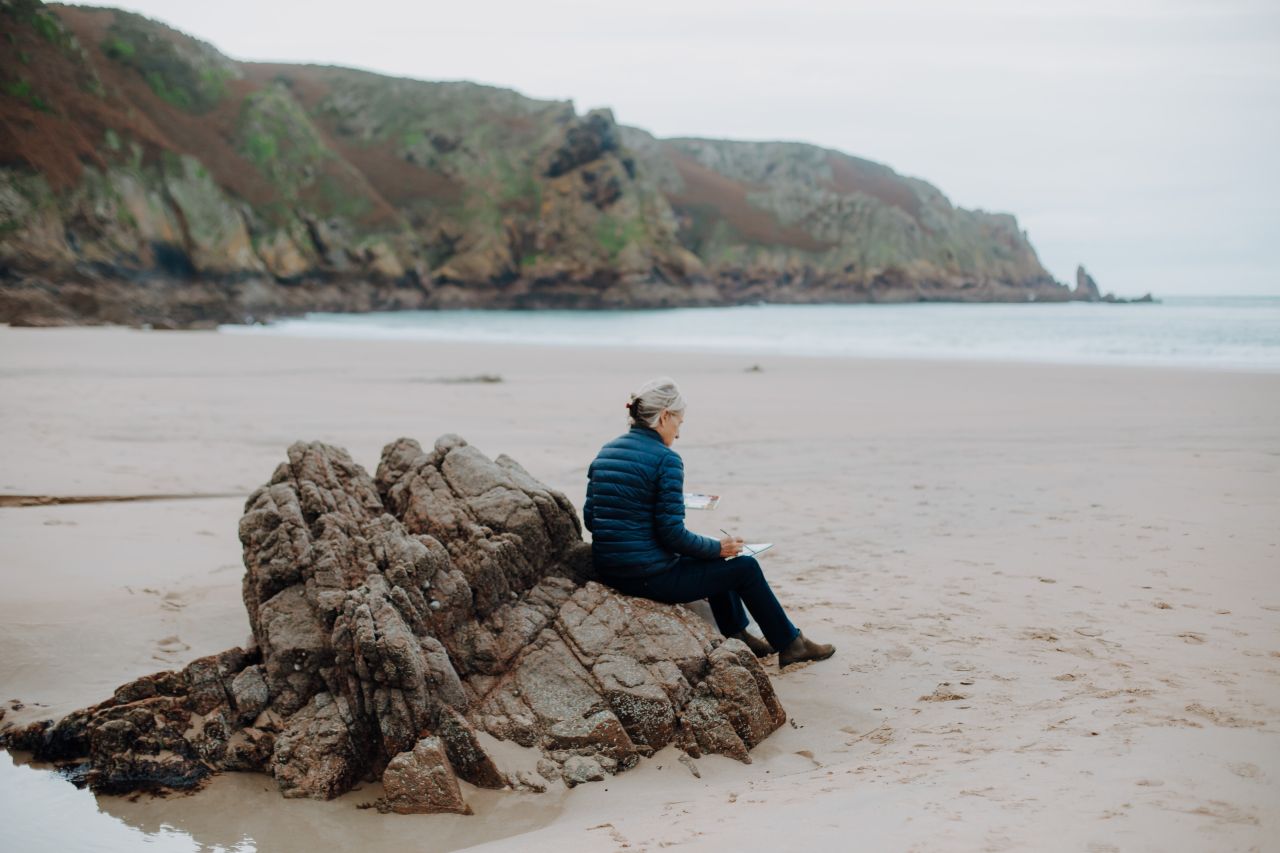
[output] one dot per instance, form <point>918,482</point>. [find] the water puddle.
<point>242,813</point>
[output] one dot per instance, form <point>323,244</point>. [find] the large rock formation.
<point>400,620</point>
<point>147,178</point>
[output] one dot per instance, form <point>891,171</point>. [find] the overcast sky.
<point>1138,137</point>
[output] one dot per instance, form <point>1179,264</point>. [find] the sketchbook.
<point>698,500</point>
<point>751,549</point>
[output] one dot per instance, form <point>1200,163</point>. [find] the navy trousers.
<point>727,585</point>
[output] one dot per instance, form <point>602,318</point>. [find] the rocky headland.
<point>402,625</point>
<point>145,178</point>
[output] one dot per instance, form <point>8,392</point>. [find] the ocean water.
<point>1236,333</point>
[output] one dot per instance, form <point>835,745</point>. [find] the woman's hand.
<point>730,546</point>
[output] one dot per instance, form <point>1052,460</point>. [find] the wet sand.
<point>1053,589</point>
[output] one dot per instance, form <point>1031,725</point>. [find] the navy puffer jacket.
<point>635,508</point>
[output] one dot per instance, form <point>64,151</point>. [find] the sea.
<point>1220,332</point>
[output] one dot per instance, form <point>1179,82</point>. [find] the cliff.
<point>147,178</point>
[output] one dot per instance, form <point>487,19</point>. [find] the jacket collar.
<point>647,433</point>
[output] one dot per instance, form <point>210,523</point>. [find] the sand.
<point>1054,589</point>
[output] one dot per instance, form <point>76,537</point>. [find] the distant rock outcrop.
<point>1087,291</point>
<point>400,620</point>
<point>148,179</point>
<point>1086,288</point>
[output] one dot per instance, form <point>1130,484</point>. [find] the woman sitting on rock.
<point>640,546</point>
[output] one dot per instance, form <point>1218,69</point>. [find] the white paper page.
<point>699,500</point>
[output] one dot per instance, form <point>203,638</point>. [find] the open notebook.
<point>701,500</point>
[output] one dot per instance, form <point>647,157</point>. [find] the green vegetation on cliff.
<point>186,73</point>
<point>160,156</point>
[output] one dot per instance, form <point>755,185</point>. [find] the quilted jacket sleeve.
<point>669,514</point>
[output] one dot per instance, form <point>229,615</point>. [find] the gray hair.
<point>652,398</point>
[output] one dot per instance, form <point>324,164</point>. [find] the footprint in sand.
<point>943,693</point>
<point>1245,770</point>
<point>898,653</point>
<point>1225,812</point>
<point>173,601</point>
<point>1222,718</point>
<point>172,644</point>
<point>804,753</point>
<point>880,734</point>
<point>1193,637</point>
<point>617,837</point>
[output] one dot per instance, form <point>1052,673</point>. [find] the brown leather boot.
<point>803,649</point>
<point>759,646</point>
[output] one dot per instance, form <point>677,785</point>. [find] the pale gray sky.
<point>1139,137</point>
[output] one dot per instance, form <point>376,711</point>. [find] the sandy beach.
<point>1054,590</point>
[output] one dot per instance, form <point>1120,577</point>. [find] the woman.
<point>640,546</point>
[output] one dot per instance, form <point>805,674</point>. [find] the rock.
<point>600,731</point>
<point>249,693</point>
<point>317,755</point>
<point>466,755</point>
<point>530,782</point>
<point>420,781</point>
<point>1086,288</point>
<point>282,257</point>
<point>579,769</point>
<point>584,141</point>
<point>397,617</point>
<point>691,764</point>
<point>249,749</point>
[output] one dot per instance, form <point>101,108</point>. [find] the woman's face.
<point>669,426</point>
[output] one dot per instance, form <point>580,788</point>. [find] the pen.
<point>750,553</point>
